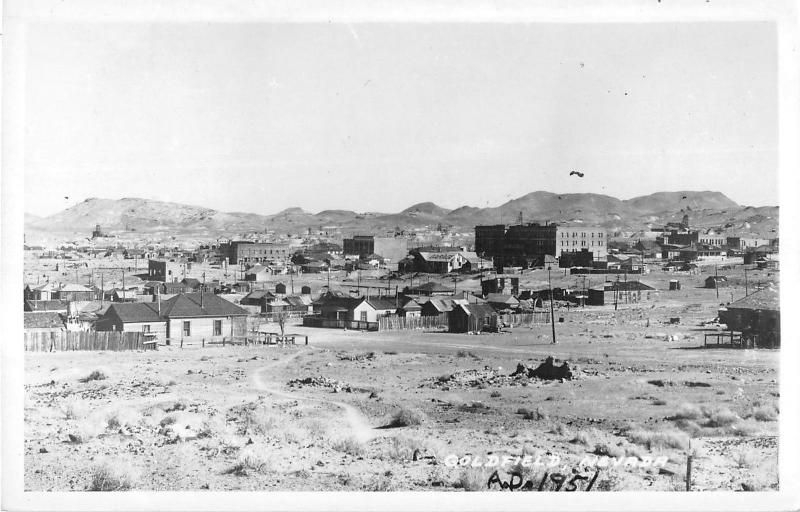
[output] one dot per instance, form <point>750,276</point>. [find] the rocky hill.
<point>706,209</point>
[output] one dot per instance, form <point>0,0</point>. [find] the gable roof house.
<point>75,292</point>
<point>472,318</point>
<point>184,316</point>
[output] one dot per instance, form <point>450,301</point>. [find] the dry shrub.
<point>561,429</point>
<point>402,448</point>
<point>350,446</point>
<point>765,413</point>
<point>73,410</point>
<point>690,427</point>
<point>659,402</point>
<point>688,412</point>
<point>529,414</point>
<point>746,458</point>
<point>656,440</point>
<point>316,428</point>
<point>609,450</point>
<point>743,429</point>
<point>755,484</point>
<point>379,483</point>
<point>259,421</point>
<point>94,375</point>
<point>407,417</point>
<point>585,437</point>
<point>88,428</point>
<point>473,407</point>
<point>250,461</point>
<point>125,417</point>
<point>495,394</point>
<point>112,477</point>
<point>609,481</point>
<point>475,479</point>
<point>723,417</point>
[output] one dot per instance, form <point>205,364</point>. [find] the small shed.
<point>472,318</point>
<point>716,281</point>
<point>757,314</point>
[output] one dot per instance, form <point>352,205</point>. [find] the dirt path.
<point>361,429</point>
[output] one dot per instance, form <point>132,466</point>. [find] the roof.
<point>437,256</point>
<point>768,299</point>
<point>627,286</point>
<point>411,305</point>
<point>135,311</point>
<point>296,301</point>
<point>45,305</point>
<point>431,287</point>
<point>259,294</point>
<point>479,310</point>
<point>382,303</point>
<point>188,305</point>
<point>71,287</point>
<point>42,320</point>
<point>442,305</point>
<point>501,298</point>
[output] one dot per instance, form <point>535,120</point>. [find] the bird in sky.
<point>578,173</point>
<point>66,197</point>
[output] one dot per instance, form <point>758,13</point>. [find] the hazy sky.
<point>376,117</point>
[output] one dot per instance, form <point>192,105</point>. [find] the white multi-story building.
<point>576,239</point>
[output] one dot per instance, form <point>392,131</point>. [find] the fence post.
<point>689,472</point>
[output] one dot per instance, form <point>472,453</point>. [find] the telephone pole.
<point>552,313</point>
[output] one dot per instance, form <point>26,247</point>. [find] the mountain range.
<point>705,209</point>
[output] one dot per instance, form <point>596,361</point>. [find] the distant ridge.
<point>147,215</point>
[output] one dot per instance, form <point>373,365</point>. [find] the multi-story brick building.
<point>527,244</point>
<point>251,252</point>
<point>393,249</point>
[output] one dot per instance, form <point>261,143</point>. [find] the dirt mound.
<point>546,370</point>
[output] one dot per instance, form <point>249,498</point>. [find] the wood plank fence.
<point>60,341</point>
<point>399,323</point>
<point>526,319</point>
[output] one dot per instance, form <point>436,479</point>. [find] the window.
<point>217,327</point>
<point>363,316</point>
<point>187,328</point>
<point>146,328</point>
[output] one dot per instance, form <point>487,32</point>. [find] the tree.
<point>281,318</point>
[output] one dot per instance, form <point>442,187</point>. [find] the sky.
<point>376,117</point>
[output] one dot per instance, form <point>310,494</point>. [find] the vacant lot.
<point>385,411</point>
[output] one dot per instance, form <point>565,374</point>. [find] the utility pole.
<point>552,313</point>
<point>716,283</point>
<point>745,281</point>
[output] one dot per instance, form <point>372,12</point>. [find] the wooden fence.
<point>85,340</point>
<point>399,323</point>
<point>314,321</point>
<point>525,319</point>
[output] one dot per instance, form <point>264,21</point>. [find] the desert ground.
<point>403,410</point>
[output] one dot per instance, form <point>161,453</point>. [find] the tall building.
<point>390,248</point>
<point>527,245</point>
<point>250,252</point>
